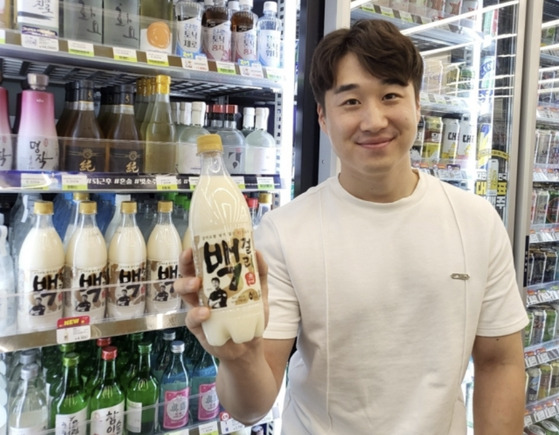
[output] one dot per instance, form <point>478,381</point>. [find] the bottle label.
<point>83,22</point>
<point>108,421</point>
<point>6,152</point>
<point>90,294</point>
<point>175,409</point>
<point>134,415</point>
<point>156,37</point>
<point>127,293</point>
<point>244,44</point>
<point>208,402</point>
<point>43,14</point>
<point>85,156</point>
<point>228,265</point>
<point>40,305</point>
<point>216,42</point>
<point>188,160</point>
<point>75,423</point>
<point>37,153</point>
<point>269,48</point>
<point>27,430</point>
<point>161,295</point>
<point>127,161</point>
<point>261,160</point>
<point>189,36</point>
<point>121,23</point>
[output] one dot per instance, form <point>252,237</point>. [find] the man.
<point>389,279</point>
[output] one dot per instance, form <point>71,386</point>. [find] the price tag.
<point>210,428</point>
<point>192,182</point>
<point>195,63</point>
<point>275,74</point>
<point>178,432</point>
<point>387,12</point>
<point>240,180</point>
<point>2,36</point>
<point>81,48</point>
<point>72,329</point>
<point>157,58</point>
<point>251,69</point>
<point>539,415</point>
<point>265,183</point>
<point>230,425</point>
<point>36,181</point>
<point>550,409</point>
<point>531,360</point>
<point>126,54</point>
<point>39,42</point>
<point>406,16</point>
<point>543,356</point>
<point>226,68</point>
<point>166,182</point>
<point>528,420</point>
<point>74,182</point>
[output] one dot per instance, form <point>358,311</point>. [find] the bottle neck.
<point>128,220</point>
<point>144,364</point>
<point>43,221</point>
<point>87,220</point>
<point>164,218</point>
<point>197,118</point>
<point>212,163</point>
<point>124,109</point>
<point>71,378</point>
<point>261,123</point>
<point>109,371</point>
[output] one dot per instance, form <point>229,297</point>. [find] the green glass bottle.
<point>94,380</point>
<point>164,357</point>
<point>142,395</point>
<point>68,412</point>
<point>106,405</point>
<point>129,370</point>
<point>54,389</point>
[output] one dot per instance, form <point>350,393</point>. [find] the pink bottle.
<point>37,142</point>
<point>6,145</point>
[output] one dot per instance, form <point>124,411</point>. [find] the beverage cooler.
<point>60,174</point>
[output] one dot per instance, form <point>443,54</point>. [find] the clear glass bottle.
<point>150,101</point>
<point>81,21</point>
<point>216,31</point>
<point>69,410</point>
<point>142,395</point>
<point>243,33</point>
<point>174,391</point>
<point>261,146</point>
<point>28,410</point>
<point>106,405</point>
<point>234,146</point>
<point>269,36</point>
<point>160,132</point>
<point>188,17</point>
<point>188,161</point>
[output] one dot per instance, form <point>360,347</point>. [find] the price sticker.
<point>195,63</point>
<point>2,36</point>
<point>210,428</point>
<point>543,356</point>
<point>72,329</point>
<point>387,12</point>
<point>251,69</point>
<point>230,425</point>
<point>226,68</point>
<point>539,415</point>
<point>550,410</point>
<point>265,183</point>
<point>39,42</point>
<point>531,360</point>
<point>74,182</point>
<point>126,54</point>
<point>166,182</point>
<point>406,16</point>
<point>193,182</point>
<point>157,58</point>
<point>528,420</point>
<point>37,181</point>
<point>240,181</point>
<point>177,432</point>
<point>275,74</point>
<point>81,48</point>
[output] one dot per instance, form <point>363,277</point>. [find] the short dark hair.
<point>380,48</point>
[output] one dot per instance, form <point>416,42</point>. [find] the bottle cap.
<point>209,142</point>
<point>88,207</point>
<point>43,207</point>
<point>218,108</point>
<point>67,347</point>
<point>128,207</point>
<point>233,5</point>
<point>169,335</point>
<point>144,348</point>
<point>70,359</point>
<point>245,3</point>
<point>165,206</point>
<point>270,7</point>
<point>109,353</point>
<point>199,106</point>
<point>27,357</point>
<point>252,202</point>
<point>80,196</point>
<point>265,197</point>
<point>37,81</point>
<point>177,346</point>
<point>262,111</point>
<point>162,84</point>
<point>29,371</point>
<point>231,108</point>
<point>103,341</point>
<point>248,111</point>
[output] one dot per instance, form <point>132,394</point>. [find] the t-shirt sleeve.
<point>284,315</point>
<point>502,310</point>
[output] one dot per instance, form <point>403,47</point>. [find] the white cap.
<point>270,7</point>
<point>208,2</point>
<point>248,111</point>
<point>245,3</point>
<point>233,5</point>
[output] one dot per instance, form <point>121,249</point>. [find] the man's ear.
<point>321,118</point>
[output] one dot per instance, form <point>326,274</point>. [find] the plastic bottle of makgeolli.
<point>224,253</point>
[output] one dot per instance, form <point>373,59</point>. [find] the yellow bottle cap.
<point>163,84</point>
<point>165,206</point>
<point>88,207</point>
<point>81,196</point>
<point>43,207</point>
<point>209,142</point>
<point>265,197</point>
<point>128,207</point>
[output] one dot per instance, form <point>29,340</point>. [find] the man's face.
<point>372,123</point>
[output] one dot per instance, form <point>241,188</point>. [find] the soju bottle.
<point>28,409</point>
<point>142,395</point>
<point>174,391</point>
<point>129,369</point>
<point>106,405</point>
<point>204,403</point>
<point>68,412</point>
<point>164,358</point>
<point>94,380</point>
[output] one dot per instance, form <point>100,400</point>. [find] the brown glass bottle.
<point>105,117</point>
<point>126,150</point>
<point>216,46</point>
<point>84,147</point>
<point>69,110</point>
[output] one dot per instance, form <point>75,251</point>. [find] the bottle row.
<point>134,131</point>
<point>75,269</point>
<point>542,381</point>
<point>435,9</point>
<point>543,326</point>
<point>219,29</point>
<point>142,383</point>
<point>545,427</point>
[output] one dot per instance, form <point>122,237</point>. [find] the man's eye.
<point>390,96</point>
<point>351,102</point>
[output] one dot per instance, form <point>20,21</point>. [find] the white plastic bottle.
<point>127,267</point>
<point>243,33</point>
<point>86,267</point>
<point>163,251</point>
<point>40,273</point>
<point>269,36</point>
<point>260,146</point>
<point>224,252</point>
<point>7,286</point>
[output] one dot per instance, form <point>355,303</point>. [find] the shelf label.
<point>81,48</point>
<point>2,36</point>
<point>228,425</point>
<point>387,12</point>
<point>195,63</point>
<point>166,182</point>
<point>240,180</point>
<point>39,42</point>
<point>275,74</point>
<point>157,58</point>
<point>210,428</point>
<point>265,183</point>
<point>251,69</point>
<point>36,181</point>
<point>126,54</point>
<point>225,68</point>
<point>192,182</point>
<point>74,182</point>
<point>528,420</point>
<point>72,329</point>
<point>177,432</point>
<point>405,16</point>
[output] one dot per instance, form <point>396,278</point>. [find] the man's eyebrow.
<point>345,88</point>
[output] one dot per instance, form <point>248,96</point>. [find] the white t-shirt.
<point>384,329</point>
